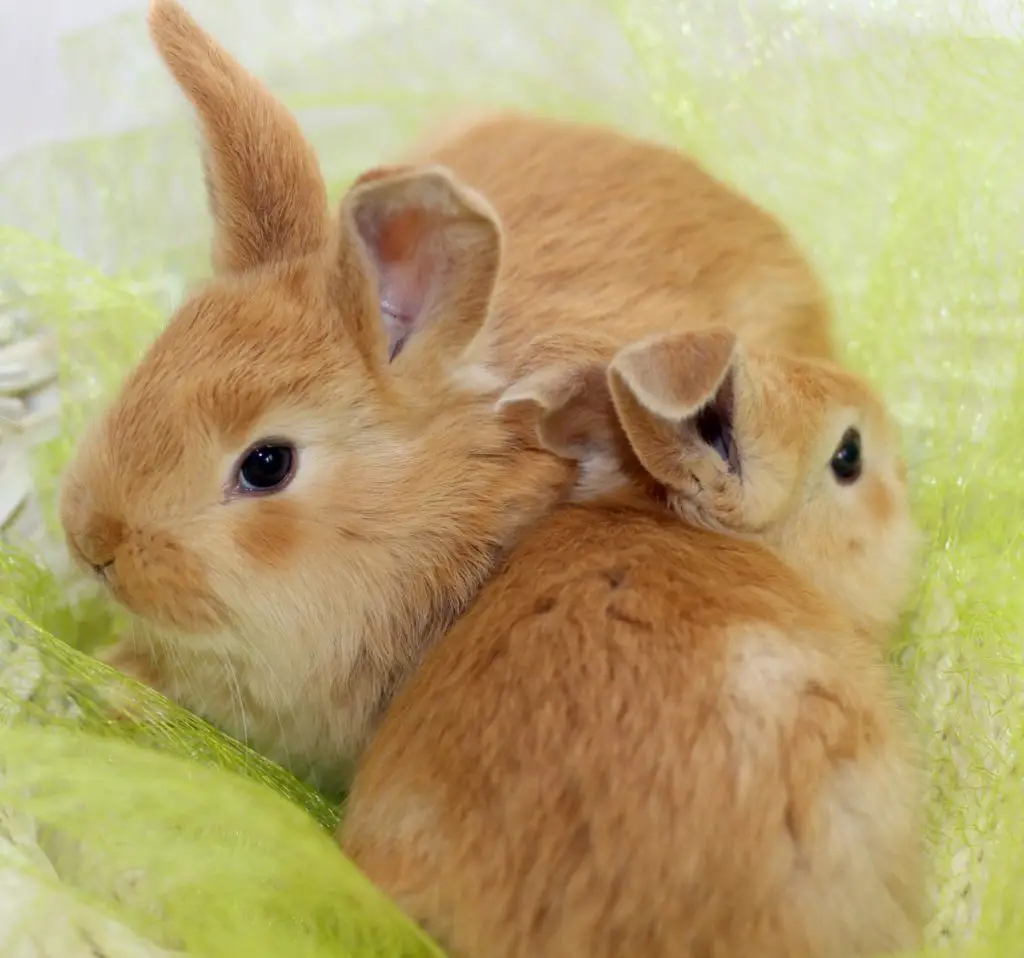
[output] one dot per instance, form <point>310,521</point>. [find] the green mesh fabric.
<point>889,136</point>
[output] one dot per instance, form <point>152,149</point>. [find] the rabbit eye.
<point>846,461</point>
<point>266,468</point>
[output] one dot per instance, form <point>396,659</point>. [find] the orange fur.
<point>676,246</point>
<point>651,738</point>
<point>289,619</point>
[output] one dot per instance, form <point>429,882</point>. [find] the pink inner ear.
<point>398,327</point>
<point>404,271</point>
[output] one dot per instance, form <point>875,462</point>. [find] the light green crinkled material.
<point>890,139</point>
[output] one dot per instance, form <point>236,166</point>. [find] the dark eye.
<point>846,461</point>
<point>266,468</point>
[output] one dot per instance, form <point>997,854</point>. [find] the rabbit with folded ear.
<point>817,474</point>
<point>290,516</point>
<point>650,738</point>
<point>619,229</point>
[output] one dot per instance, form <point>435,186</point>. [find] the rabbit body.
<point>645,739</point>
<point>628,237</point>
<point>666,726</point>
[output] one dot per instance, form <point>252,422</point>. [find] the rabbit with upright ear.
<point>624,230</point>
<point>290,515</point>
<point>650,737</point>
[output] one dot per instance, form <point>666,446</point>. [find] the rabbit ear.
<point>567,407</point>
<point>434,247</point>
<point>267,195</point>
<point>675,397</point>
<point>381,173</point>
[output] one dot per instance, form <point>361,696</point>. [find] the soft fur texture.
<point>289,619</point>
<point>628,237</point>
<point>649,737</point>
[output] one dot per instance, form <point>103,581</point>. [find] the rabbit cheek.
<point>269,534</point>
<point>158,579</point>
<point>879,500</point>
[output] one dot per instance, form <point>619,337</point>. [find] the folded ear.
<point>567,408</point>
<point>266,192</point>
<point>434,247</point>
<point>675,400</point>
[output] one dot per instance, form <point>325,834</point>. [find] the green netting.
<point>890,138</point>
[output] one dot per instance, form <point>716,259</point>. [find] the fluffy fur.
<point>628,237</point>
<point>376,341</point>
<point>650,737</point>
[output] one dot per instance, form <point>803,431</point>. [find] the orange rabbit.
<point>650,736</point>
<point>304,481</point>
<point>290,516</point>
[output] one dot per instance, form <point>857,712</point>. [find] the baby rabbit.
<point>651,736</point>
<point>303,482</point>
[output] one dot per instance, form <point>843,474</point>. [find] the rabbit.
<point>304,480</point>
<point>289,511</point>
<point>654,733</point>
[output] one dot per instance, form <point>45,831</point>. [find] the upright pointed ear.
<point>675,397</point>
<point>434,247</point>
<point>266,192</point>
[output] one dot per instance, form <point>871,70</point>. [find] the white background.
<point>33,105</point>
<point>34,100</point>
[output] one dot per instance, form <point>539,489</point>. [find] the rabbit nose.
<point>80,550</point>
<point>100,538</point>
<point>100,568</point>
<point>94,551</point>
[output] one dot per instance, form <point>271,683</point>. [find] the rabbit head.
<point>794,451</point>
